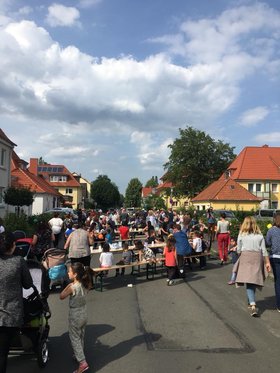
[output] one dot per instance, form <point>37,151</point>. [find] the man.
<point>183,247</point>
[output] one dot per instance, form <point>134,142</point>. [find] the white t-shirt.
<point>106,259</point>
<point>56,225</point>
<point>197,245</point>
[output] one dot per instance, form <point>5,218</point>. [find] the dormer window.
<point>58,178</point>
<point>227,174</point>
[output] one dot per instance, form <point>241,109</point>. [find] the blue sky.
<point>102,86</point>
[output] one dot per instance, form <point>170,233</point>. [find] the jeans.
<point>251,290</point>
<point>275,264</point>
<point>181,264</point>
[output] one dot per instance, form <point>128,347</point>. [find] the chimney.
<point>33,166</point>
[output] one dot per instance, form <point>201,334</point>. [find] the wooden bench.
<point>99,271</point>
<point>150,268</point>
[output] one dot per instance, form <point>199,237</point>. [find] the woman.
<point>211,222</point>
<point>273,240</point>
<point>56,225</point>
<point>14,275</point>
<point>42,240</point>
<point>253,259</point>
<point>79,243</point>
<point>223,238</point>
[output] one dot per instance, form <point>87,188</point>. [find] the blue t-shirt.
<point>182,244</point>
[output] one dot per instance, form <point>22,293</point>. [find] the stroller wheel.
<point>42,353</point>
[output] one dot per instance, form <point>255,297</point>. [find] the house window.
<point>58,178</point>
<point>251,188</point>
<point>69,190</point>
<point>274,188</point>
<point>274,205</point>
<point>258,187</point>
<point>3,158</point>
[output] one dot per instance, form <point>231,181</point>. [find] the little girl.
<point>76,290</point>
<point>170,259</point>
<point>106,258</point>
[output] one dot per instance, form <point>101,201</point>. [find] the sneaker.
<point>231,282</point>
<point>83,366</point>
<point>222,262</point>
<point>170,282</point>
<point>254,312</point>
<point>278,309</point>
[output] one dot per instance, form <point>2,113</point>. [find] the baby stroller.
<point>32,338</point>
<point>23,247</point>
<point>54,262</point>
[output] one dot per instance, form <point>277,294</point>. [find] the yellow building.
<point>60,178</point>
<point>257,171</point>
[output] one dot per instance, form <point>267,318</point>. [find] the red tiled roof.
<point>225,190</point>
<point>24,178</point>
<point>4,137</point>
<point>166,184</point>
<point>256,163</point>
<point>71,182</point>
<point>146,191</point>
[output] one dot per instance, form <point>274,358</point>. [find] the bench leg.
<point>98,287</point>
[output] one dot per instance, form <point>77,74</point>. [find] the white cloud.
<point>72,97</point>
<point>253,116</point>
<point>60,15</point>
<point>25,10</point>
<point>272,137</point>
<point>88,3</point>
<point>153,152</point>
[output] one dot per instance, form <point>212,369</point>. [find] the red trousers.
<point>223,242</point>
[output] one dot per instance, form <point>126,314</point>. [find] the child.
<point>146,252</point>
<point>126,259</point>
<point>76,290</point>
<point>197,246</point>
<point>106,258</point>
<point>234,258</point>
<point>170,259</point>
<point>108,236</point>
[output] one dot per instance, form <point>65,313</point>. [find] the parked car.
<point>63,211</point>
<point>266,214</point>
<point>229,214</point>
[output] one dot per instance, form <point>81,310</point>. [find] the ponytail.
<point>84,274</point>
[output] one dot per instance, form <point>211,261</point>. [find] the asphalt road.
<point>200,324</point>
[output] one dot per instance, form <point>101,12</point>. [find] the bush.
<point>13,222</point>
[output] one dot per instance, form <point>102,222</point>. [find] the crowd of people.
<point>181,234</point>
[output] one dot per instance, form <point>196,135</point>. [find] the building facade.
<point>61,179</point>
<point>6,149</point>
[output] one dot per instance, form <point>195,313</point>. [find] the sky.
<point>103,86</point>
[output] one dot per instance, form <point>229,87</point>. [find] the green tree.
<point>153,182</point>
<point>105,193</point>
<point>18,197</point>
<point>154,202</point>
<point>133,193</point>
<point>196,160</point>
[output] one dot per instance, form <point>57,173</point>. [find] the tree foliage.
<point>105,193</point>
<point>153,182</point>
<point>18,196</point>
<point>154,202</point>
<point>133,193</point>
<point>196,160</point>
